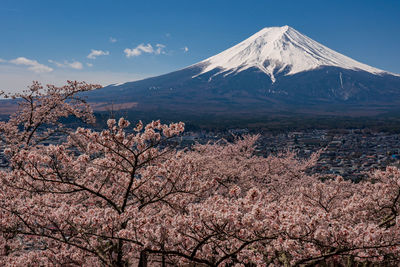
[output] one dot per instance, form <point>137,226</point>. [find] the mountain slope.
<point>276,70</point>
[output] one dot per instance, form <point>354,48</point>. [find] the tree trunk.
<point>143,259</point>
<point>163,264</point>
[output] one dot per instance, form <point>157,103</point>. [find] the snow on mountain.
<point>277,49</point>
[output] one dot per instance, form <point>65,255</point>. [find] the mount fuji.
<point>276,70</point>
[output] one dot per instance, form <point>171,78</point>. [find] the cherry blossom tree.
<point>124,196</point>
<point>39,112</point>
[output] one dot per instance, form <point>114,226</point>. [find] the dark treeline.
<point>389,123</point>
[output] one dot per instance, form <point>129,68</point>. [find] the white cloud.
<point>185,49</point>
<point>113,40</point>
<point>89,64</point>
<point>159,49</point>
<point>2,60</point>
<point>74,65</point>
<point>56,63</point>
<point>95,53</point>
<point>137,51</point>
<point>33,65</point>
<point>142,48</point>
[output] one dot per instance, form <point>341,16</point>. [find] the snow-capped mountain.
<point>276,49</point>
<point>277,69</point>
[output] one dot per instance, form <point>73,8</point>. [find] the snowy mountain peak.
<point>277,49</point>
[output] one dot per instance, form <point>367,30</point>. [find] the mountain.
<point>277,70</point>
<point>280,49</point>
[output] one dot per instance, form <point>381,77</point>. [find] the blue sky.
<point>110,41</point>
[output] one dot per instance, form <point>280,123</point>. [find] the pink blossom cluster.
<point>122,197</point>
<point>39,112</point>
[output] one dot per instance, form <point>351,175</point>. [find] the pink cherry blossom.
<point>124,197</point>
